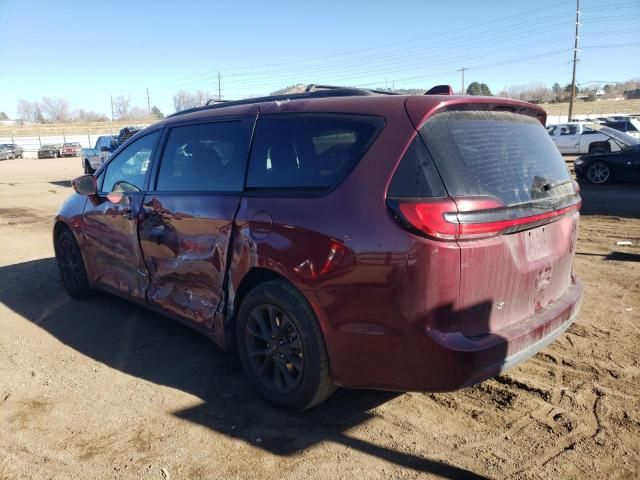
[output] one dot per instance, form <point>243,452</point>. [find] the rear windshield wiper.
<point>548,186</point>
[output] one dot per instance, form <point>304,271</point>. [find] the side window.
<point>126,172</point>
<point>308,151</point>
<point>552,130</point>
<point>206,157</point>
<point>568,130</point>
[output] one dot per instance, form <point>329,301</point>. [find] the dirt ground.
<point>103,389</point>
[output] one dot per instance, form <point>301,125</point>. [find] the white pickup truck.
<point>575,137</point>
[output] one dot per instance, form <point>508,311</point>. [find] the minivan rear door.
<point>516,215</point>
<point>187,221</point>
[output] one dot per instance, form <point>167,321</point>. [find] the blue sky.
<point>86,51</point>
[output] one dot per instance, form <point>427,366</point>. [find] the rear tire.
<point>599,173</point>
<point>71,265</point>
<point>281,347</point>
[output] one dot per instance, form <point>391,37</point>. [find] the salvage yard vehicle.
<point>49,151</point>
<point>339,237</point>
<point>14,151</point>
<point>575,137</point>
<point>601,168</point>
<point>630,126</point>
<point>93,158</point>
<point>71,149</point>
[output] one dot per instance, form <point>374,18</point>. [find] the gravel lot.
<point>103,389</point>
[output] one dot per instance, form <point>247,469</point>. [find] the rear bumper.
<point>438,361</point>
<point>525,339</point>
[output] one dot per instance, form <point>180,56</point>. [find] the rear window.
<point>500,154</point>
<point>308,152</point>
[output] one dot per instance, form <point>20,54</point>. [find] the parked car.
<point>630,126</point>
<point>49,151</point>
<point>93,158</point>
<point>339,236</point>
<point>603,168</point>
<point>71,149</point>
<point>4,153</point>
<point>14,151</point>
<point>575,137</point>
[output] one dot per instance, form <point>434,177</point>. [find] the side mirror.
<point>85,185</point>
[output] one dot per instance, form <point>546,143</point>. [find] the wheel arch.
<point>254,277</point>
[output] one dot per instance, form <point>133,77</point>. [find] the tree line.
<point>54,110</point>
<point>57,110</point>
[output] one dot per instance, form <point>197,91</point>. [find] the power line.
<point>414,40</point>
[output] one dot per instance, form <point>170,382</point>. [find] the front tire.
<point>281,347</point>
<point>599,173</point>
<point>71,265</point>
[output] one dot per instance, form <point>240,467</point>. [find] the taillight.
<point>469,218</point>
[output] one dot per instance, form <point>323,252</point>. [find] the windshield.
<point>48,146</point>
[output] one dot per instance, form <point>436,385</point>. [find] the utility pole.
<point>462,71</point>
<point>148,101</point>
<point>111,108</point>
<point>219,88</point>
<point>575,61</point>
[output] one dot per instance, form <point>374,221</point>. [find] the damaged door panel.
<point>187,222</point>
<point>114,260</point>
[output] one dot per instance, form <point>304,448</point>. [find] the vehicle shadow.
<point>61,183</point>
<point>616,199</point>
<point>146,345</point>
<point>615,256</point>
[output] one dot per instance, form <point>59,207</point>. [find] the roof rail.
<point>440,90</point>
<point>311,91</point>
<point>213,101</point>
<point>312,87</point>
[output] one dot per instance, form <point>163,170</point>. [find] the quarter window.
<point>205,157</point>
<point>127,171</point>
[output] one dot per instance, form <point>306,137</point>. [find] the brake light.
<point>429,217</point>
<point>468,218</point>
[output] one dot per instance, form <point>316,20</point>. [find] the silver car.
<point>4,153</point>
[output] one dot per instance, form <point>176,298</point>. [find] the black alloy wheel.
<point>274,348</point>
<point>281,346</point>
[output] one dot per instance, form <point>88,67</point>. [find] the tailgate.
<point>515,276</point>
<point>516,214</point>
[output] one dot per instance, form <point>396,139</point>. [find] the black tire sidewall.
<point>301,315</point>
<point>84,289</point>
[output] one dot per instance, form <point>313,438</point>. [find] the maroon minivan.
<point>339,236</point>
